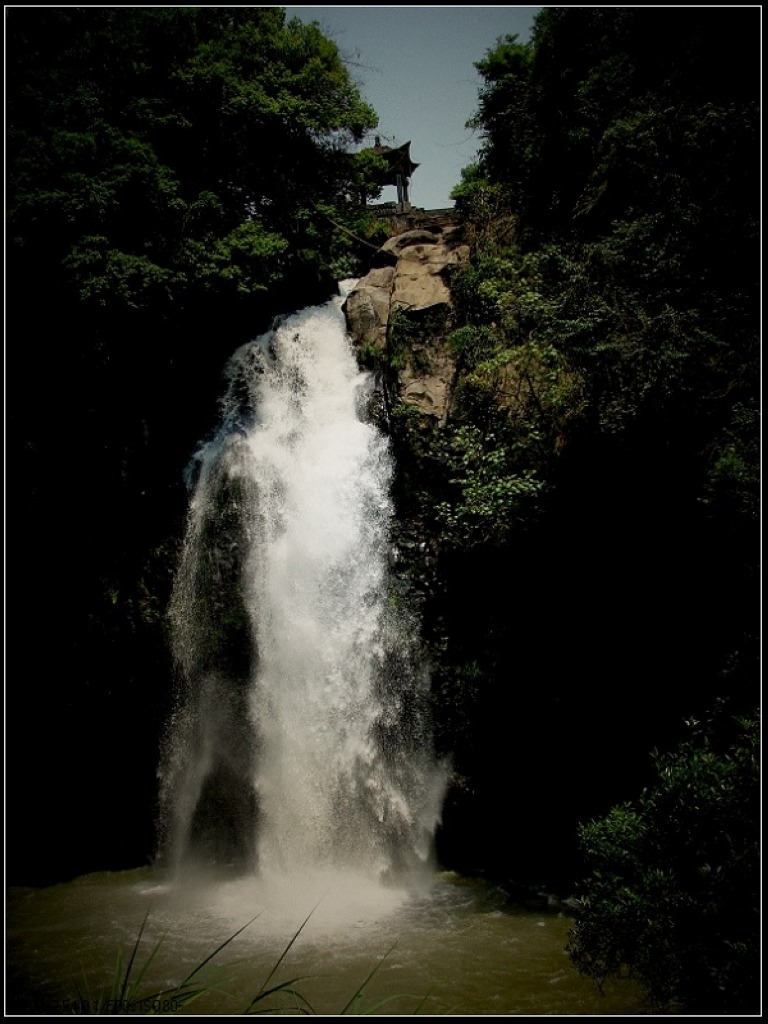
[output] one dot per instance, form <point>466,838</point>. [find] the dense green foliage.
<point>175,177</point>
<point>608,332</point>
<point>174,152</point>
<point>625,153</point>
<point>592,506</point>
<point>673,895</point>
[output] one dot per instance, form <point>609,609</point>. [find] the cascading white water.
<point>301,739</point>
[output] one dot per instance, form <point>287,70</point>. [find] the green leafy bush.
<point>491,494</point>
<point>672,898</point>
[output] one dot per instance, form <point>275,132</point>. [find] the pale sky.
<point>415,68</point>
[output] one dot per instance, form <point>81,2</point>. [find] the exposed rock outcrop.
<point>367,309</point>
<point>400,313</point>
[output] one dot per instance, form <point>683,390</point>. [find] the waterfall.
<point>301,735</point>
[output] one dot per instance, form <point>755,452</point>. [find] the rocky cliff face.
<point>400,313</point>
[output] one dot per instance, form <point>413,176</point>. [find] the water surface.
<point>453,947</point>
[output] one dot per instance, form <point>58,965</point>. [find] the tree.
<point>504,116</point>
<point>672,898</point>
<point>159,153</point>
<point>606,329</point>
